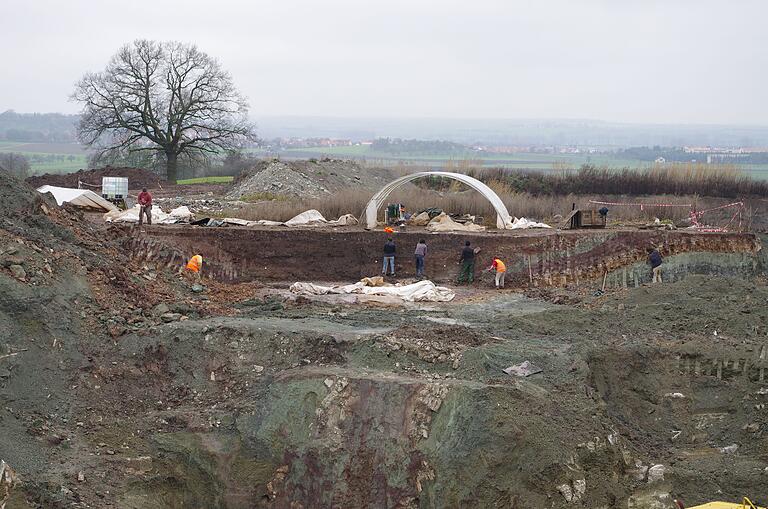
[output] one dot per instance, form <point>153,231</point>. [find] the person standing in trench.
<point>419,254</point>
<point>467,261</point>
<point>389,257</point>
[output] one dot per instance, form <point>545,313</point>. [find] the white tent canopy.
<point>503,218</point>
<point>78,198</point>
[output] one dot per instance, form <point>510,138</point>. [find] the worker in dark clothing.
<point>419,254</point>
<point>654,259</point>
<point>145,206</point>
<point>389,257</point>
<point>467,261</point>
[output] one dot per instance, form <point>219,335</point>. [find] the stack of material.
<point>420,219</point>
<point>423,291</point>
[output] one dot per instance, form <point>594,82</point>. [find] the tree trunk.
<point>170,166</point>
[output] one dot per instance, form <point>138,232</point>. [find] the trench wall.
<point>552,258</point>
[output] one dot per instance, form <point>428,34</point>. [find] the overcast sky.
<point>665,61</point>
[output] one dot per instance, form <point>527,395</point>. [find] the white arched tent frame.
<point>371,210</point>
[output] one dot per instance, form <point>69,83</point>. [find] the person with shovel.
<point>500,269</point>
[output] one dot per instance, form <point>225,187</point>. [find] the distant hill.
<point>38,127</point>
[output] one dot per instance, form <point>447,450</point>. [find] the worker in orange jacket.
<point>195,267</point>
<point>500,269</point>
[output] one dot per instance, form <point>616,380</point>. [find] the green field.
<point>206,180</point>
<point>49,157</point>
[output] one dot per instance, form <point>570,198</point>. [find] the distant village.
<point>659,155</point>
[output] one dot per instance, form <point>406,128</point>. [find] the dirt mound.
<point>137,178</point>
<point>18,199</point>
<point>306,179</point>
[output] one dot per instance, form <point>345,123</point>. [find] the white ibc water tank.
<point>114,187</point>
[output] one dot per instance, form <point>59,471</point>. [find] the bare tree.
<point>15,164</point>
<point>167,97</point>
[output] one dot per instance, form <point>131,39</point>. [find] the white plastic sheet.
<point>423,291</point>
<point>178,215</point>
<point>307,218</point>
<point>345,220</point>
<point>312,217</point>
<point>78,198</point>
<point>523,223</point>
<point>239,222</point>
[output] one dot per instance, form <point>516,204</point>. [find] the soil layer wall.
<point>533,259</point>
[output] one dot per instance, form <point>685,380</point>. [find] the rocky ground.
<point>123,386</point>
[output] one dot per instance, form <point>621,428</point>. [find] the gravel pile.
<point>306,179</point>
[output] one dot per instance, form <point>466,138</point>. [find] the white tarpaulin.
<point>307,218</point>
<point>345,220</point>
<point>444,223</point>
<point>78,198</point>
<point>177,215</point>
<point>523,223</point>
<point>239,222</point>
<point>423,291</point>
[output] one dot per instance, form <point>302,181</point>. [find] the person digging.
<point>655,261</point>
<point>194,268</point>
<point>145,206</point>
<point>501,270</point>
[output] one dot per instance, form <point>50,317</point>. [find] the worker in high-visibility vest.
<point>195,267</point>
<point>500,269</point>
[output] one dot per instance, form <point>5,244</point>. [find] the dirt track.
<point>114,372</point>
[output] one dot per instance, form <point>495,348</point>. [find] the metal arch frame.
<point>372,208</point>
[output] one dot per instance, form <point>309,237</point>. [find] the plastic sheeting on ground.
<point>313,217</point>
<point>444,223</point>
<point>78,198</point>
<point>307,218</point>
<point>423,291</point>
<point>239,222</point>
<point>523,223</point>
<point>178,215</point>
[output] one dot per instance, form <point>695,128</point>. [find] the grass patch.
<point>207,180</point>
